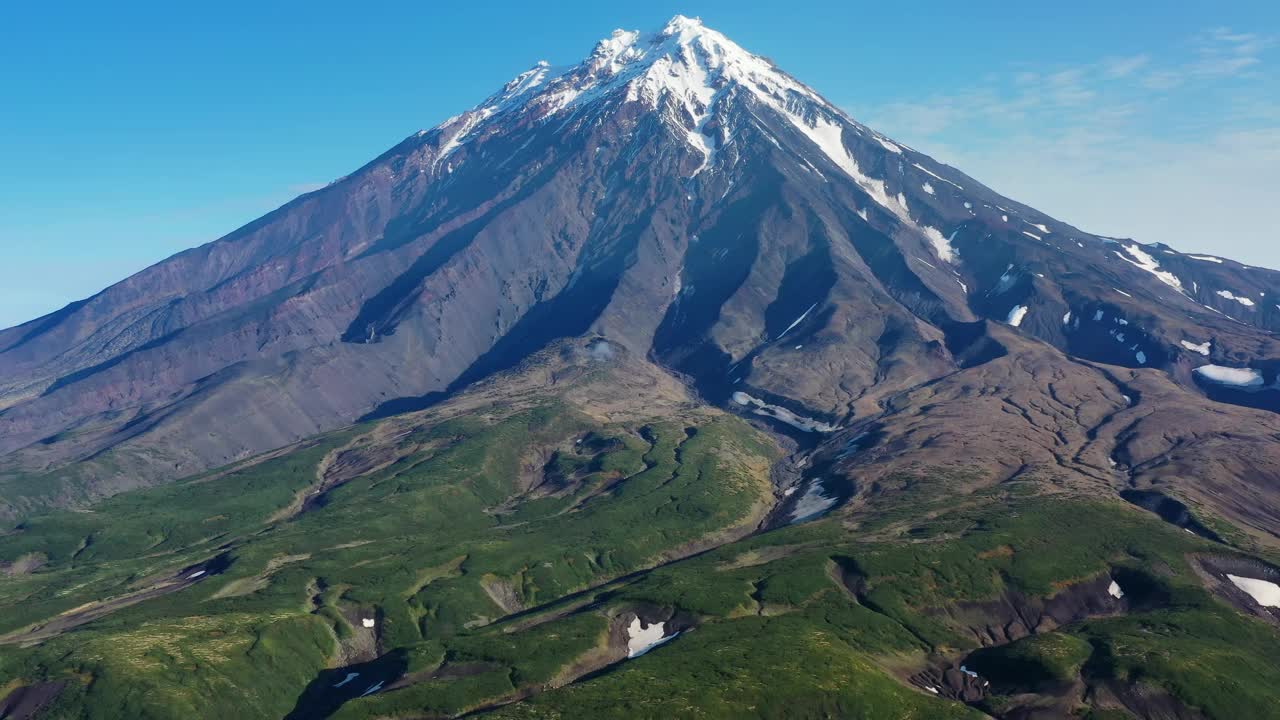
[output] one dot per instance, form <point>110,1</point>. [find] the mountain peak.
<point>678,38</point>
<point>684,63</point>
<point>680,23</point>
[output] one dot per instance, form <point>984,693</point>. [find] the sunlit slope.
<point>581,538</point>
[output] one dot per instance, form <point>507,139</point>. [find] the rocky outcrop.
<point>29,701</point>
<point>1014,615</point>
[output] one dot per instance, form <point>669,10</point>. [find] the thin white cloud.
<point>1178,149</point>
<point>1223,53</point>
<point>1119,67</point>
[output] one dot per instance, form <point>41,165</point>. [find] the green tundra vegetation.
<point>498,551</point>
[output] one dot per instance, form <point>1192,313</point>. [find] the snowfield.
<point>1240,377</point>
<point>781,414</point>
<point>1266,593</point>
<point>1139,258</point>
<point>1202,348</point>
<point>1016,315</point>
<point>641,640</point>
<point>1227,294</point>
<point>813,503</point>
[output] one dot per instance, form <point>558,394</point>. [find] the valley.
<point>500,555</point>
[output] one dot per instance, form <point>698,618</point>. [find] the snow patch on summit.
<point>686,71</point>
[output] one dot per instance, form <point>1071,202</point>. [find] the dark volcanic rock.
<point>1015,615</point>
<point>29,701</point>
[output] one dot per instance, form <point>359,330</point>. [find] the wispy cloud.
<point>1224,53</point>
<point>1119,67</point>
<point>1179,149</point>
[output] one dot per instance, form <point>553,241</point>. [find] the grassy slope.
<point>424,541</point>
<point>416,540</point>
<point>781,640</point>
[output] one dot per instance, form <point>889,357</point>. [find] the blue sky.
<point>130,131</point>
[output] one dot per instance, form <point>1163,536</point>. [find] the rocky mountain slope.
<point>673,193</point>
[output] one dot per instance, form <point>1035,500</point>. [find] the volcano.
<point>672,193</point>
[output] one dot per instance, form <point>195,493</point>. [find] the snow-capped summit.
<point>705,87</point>
<point>684,62</point>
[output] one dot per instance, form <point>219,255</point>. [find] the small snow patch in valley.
<point>782,414</point>
<point>195,575</point>
<point>1016,315</point>
<point>941,245</point>
<point>347,679</point>
<point>927,188</point>
<point>1238,298</point>
<point>798,320</point>
<point>1140,259</point>
<point>813,503</point>
<point>1239,377</point>
<point>641,640</point>
<point>1033,236</point>
<point>1114,590</point>
<point>373,688</point>
<point>1202,348</point>
<point>1267,594</point>
<point>1141,357</point>
<point>368,622</point>
<point>1206,258</point>
<point>1006,281</point>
